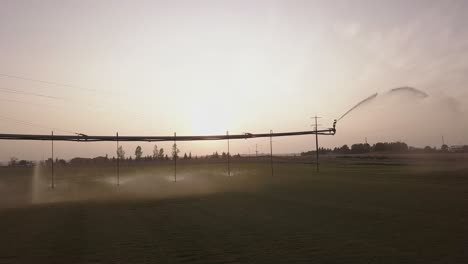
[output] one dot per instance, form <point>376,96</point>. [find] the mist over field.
<point>295,215</point>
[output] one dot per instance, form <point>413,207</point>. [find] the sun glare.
<point>207,120</point>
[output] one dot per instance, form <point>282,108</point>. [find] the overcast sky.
<point>204,67</point>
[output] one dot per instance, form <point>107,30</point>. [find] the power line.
<point>26,103</point>
<point>54,107</point>
<point>14,91</point>
<point>48,82</point>
<point>35,125</point>
<point>65,99</point>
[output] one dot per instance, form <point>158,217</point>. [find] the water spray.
<point>356,106</point>
<point>408,89</point>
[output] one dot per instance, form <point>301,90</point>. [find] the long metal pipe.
<point>86,138</point>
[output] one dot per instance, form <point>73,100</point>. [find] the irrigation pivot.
<point>80,137</point>
<point>87,138</point>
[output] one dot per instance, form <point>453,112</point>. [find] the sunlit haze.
<point>207,67</point>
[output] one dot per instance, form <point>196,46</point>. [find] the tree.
<point>360,148</point>
<point>120,153</point>
<point>444,148</point>
<point>185,156</point>
<point>190,155</point>
<point>26,163</point>
<point>138,153</point>
<point>13,161</point>
<point>175,151</point>
<point>379,146</point>
<point>155,152</point>
<point>344,149</point>
<point>427,149</point>
<point>391,147</point>
<point>161,153</point>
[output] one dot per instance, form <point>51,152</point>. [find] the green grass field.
<point>353,211</point>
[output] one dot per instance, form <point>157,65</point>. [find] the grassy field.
<point>356,210</point>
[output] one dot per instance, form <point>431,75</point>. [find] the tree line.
<point>159,154</point>
<point>395,147</point>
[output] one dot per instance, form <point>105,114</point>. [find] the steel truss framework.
<point>85,138</point>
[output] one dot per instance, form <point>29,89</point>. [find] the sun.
<point>210,120</point>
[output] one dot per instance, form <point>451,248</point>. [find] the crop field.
<point>356,210</point>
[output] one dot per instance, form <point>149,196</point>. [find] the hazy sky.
<point>204,67</point>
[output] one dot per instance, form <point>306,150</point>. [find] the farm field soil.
<point>345,214</point>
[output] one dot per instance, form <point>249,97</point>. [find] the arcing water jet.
<point>368,99</point>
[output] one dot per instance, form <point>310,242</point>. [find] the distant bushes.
<point>159,155</point>
<point>14,162</point>
<point>391,147</point>
<point>360,148</point>
<point>394,147</point>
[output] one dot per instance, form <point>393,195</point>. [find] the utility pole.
<point>228,155</point>
<point>175,157</point>
<point>271,152</point>
<point>53,183</point>
<point>443,141</point>
<point>118,161</point>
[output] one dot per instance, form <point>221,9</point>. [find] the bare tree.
<point>13,161</point>
<point>161,153</point>
<point>120,153</point>
<point>138,153</point>
<point>155,152</point>
<point>175,151</point>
